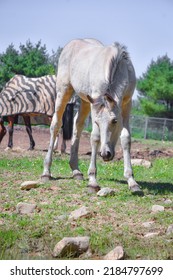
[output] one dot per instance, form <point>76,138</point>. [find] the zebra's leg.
<point>64,94</point>
<point>10,131</point>
<point>3,130</point>
<point>79,122</point>
<point>63,146</point>
<point>27,121</point>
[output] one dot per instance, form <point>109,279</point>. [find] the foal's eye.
<point>114,121</point>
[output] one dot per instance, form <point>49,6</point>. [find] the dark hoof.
<point>136,190</point>
<point>45,178</point>
<point>93,189</point>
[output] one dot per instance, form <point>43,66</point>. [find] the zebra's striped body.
<point>23,95</point>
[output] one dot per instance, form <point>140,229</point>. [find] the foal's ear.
<point>110,98</point>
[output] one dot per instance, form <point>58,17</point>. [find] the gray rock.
<point>61,218</point>
<point>141,162</point>
<point>71,246</point>
<point>27,185</point>
<point>167,201</point>
<point>151,234</point>
<point>1,222</point>
<point>82,212</point>
<point>25,208</point>
<point>148,224</point>
<point>157,208</point>
<point>105,192</point>
<point>116,254</point>
<point>169,229</point>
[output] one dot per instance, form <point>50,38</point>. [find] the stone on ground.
<point>25,208</point>
<point>169,229</point>
<point>157,208</point>
<point>106,192</point>
<point>27,185</point>
<point>141,162</point>
<point>82,212</point>
<point>71,246</point>
<point>116,254</point>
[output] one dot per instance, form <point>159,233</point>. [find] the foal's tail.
<point>67,122</point>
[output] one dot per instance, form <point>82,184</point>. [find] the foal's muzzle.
<point>107,155</point>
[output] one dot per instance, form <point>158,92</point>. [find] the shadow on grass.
<point>156,188</point>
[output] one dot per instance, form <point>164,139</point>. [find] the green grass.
<point>116,220</point>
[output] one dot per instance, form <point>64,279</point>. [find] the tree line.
<point>31,60</point>
<point>155,86</point>
<point>155,89</point>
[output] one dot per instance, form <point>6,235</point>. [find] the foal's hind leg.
<point>63,96</point>
<point>126,145</point>
<point>79,122</point>
<point>29,131</point>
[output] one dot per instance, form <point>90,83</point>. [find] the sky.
<point>144,26</point>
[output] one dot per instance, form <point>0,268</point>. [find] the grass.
<point>116,220</point>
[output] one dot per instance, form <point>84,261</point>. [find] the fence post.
<point>163,132</point>
<point>146,127</point>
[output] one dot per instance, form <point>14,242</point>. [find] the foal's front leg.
<point>54,127</point>
<point>92,171</point>
<point>60,104</point>
<point>126,145</point>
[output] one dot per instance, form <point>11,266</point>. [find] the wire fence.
<point>151,128</point>
<point>141,127</point>
<point>147,127</point>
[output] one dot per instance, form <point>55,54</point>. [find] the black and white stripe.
<point>28,95</point>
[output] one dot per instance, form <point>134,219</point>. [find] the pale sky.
<point>145,27</point>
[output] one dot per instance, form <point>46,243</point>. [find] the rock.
<point>151,234</point>
<point>71,246</point>
<point>148,224</point>
<point>27,185</point>
<point>169,229</point>
<point>25,208</point>
<point>60,218</point>
<point>106,192</point>
<point>167,201</point>
<point>1,222</point>
<point>116,254</point>
<point>141,162</point>
<point>82,212</point>
<point>157,208</point>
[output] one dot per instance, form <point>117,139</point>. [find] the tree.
<point>54,58</point>
<point>8,63</point>
<point>31,60</point>
<point>155,88</point>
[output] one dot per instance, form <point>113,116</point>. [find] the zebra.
<point>31,97</point>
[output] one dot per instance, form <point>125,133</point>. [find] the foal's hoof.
<point>45,178</point>
<point>78,176</point>
<point>136,190</point>
<point>93,189</point>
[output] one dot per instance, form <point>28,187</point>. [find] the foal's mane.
<point>122,54</point>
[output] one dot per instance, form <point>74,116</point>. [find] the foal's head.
<point>106,124</point>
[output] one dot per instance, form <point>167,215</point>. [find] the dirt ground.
<point>139,149</point>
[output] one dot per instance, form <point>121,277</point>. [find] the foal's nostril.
<point>108,154</point>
